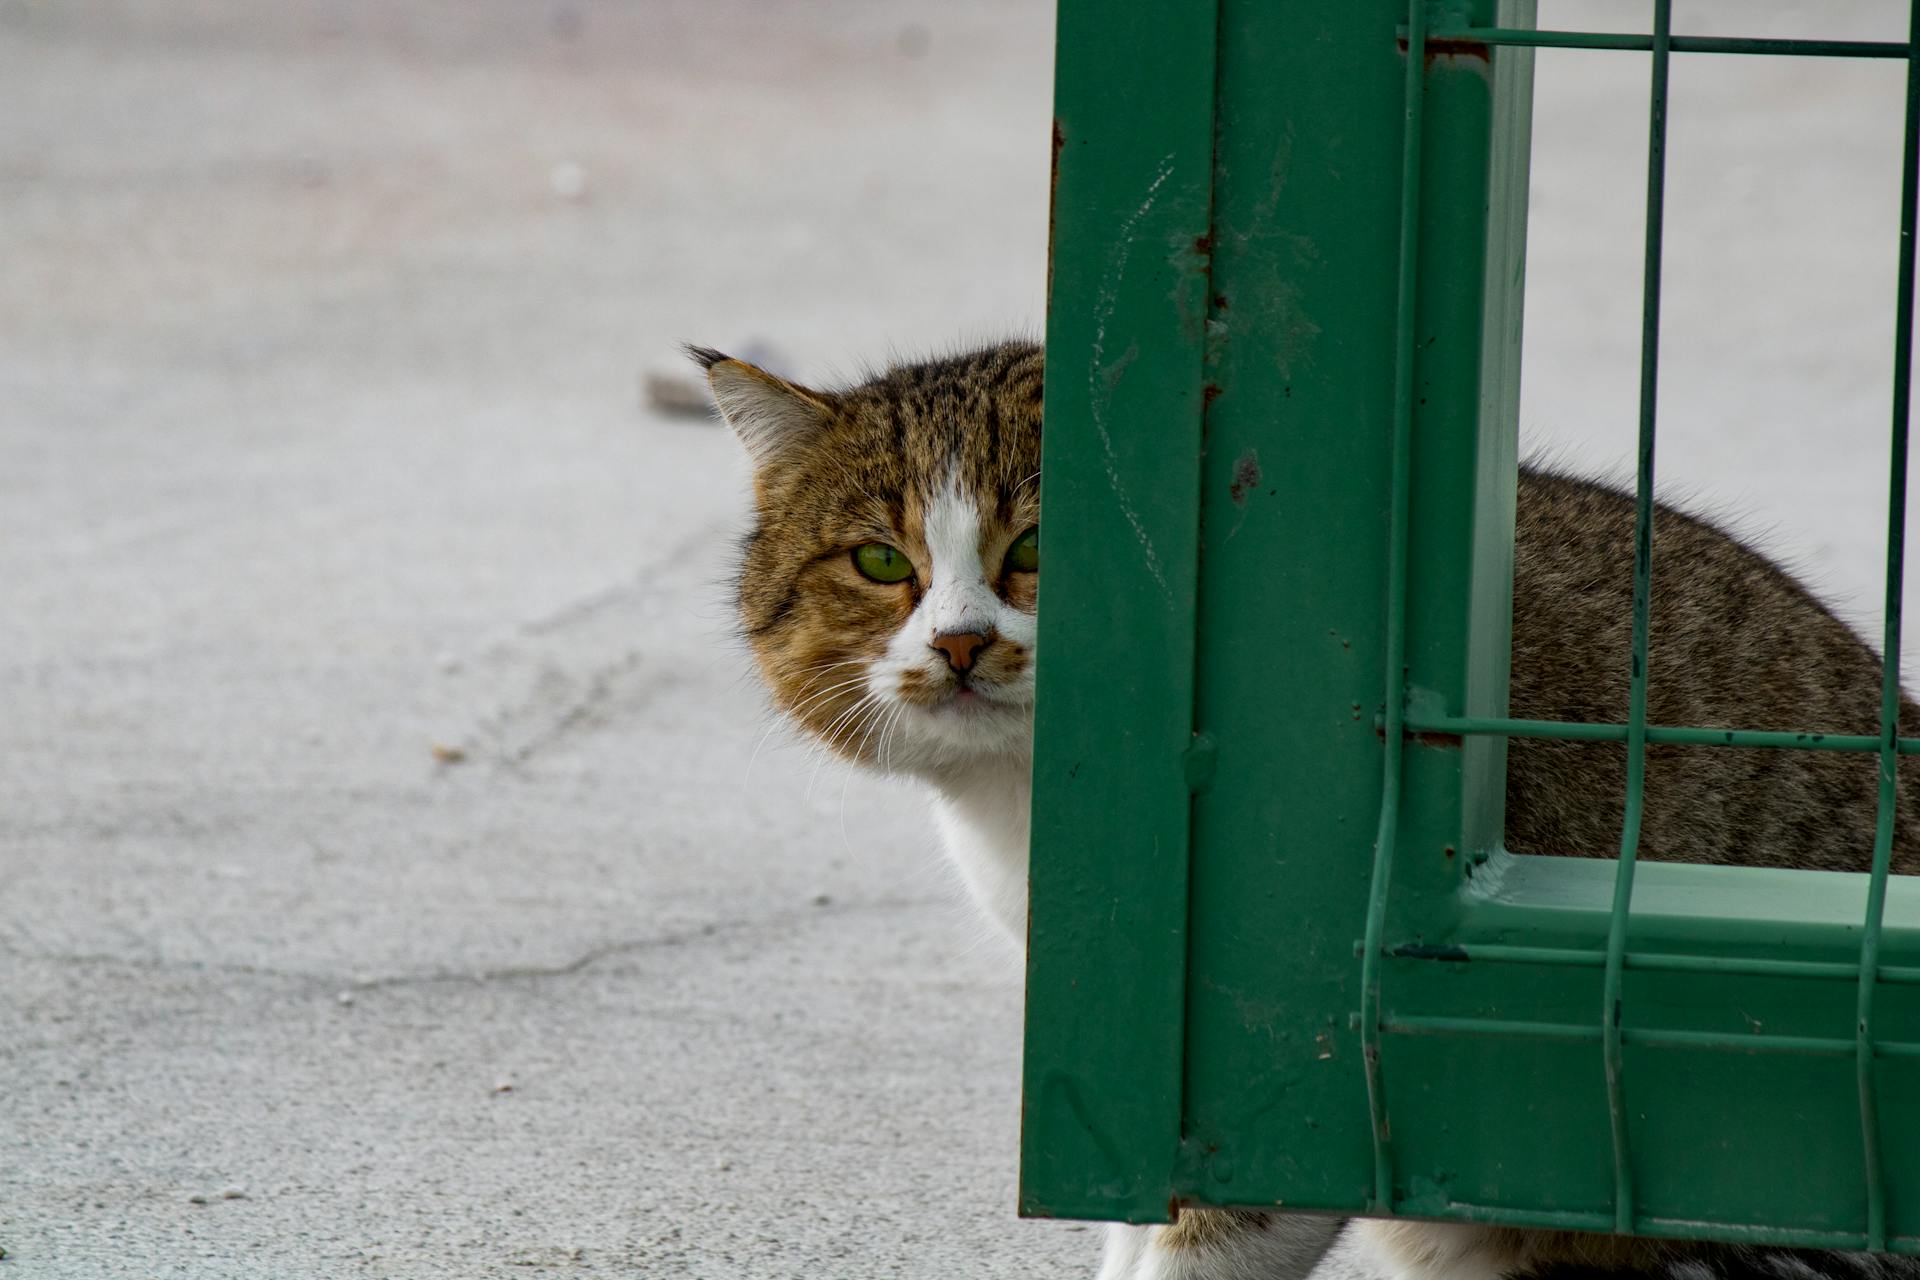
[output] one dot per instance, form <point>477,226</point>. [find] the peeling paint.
<point>1246,476</point>
<point>1053,196</point>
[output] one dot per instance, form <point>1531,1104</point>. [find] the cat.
<point>888,591</point>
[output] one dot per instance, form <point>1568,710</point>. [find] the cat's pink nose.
<point>960,647</point>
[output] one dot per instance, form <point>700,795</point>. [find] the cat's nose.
<point>960,647</point>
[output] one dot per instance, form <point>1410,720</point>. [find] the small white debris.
<point>343,998</point>
<point>233,1192</point>
<point>723,1165</point>
<point>503,1085</point>
<point>568,180</point>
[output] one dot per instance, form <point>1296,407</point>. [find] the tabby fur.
<point>920,450</point>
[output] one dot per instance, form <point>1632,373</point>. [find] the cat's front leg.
<point>1221,1244</point>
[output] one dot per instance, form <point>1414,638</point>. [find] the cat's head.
<point>888,587</point>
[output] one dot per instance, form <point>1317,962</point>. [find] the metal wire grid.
<point>1610,1030</point>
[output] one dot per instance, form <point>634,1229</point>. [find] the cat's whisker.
<point>831,733</point>
<point>888,712</point>
<point>884,720</point>
<point>848,721</point>
<point>846,840</point>
<point>882,754</point>
<point>818,694</point>
<point>829,666</point>
<point>842,689</point>
<point>795,710</point>
<point>747,778</point>
<point>886,740</point>
<point>831,736</point>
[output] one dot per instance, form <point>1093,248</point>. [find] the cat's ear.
<point>768,413</point>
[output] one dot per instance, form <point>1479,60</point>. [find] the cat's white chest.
<point>981,813</point>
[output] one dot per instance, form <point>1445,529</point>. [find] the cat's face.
<point>889,587</point>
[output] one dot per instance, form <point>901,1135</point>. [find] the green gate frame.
<point>1278,955</point>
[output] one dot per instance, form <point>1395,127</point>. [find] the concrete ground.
<point>323,452</point>
<point>393,881</point>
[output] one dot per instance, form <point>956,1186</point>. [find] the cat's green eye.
<point>881,562</point>
<point>1024,555</point>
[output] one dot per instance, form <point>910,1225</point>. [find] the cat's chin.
<point>966,728</point>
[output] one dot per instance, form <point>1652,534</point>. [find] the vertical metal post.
<point>1396,674</point>
<point>1889,758</point>
<point>1107,929</point>
<point>1623,1215</point>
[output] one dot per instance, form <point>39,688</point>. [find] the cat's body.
<point>889,590</point>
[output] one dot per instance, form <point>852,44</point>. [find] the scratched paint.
<point>1102,379</point>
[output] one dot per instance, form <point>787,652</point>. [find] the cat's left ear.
<point>768,413</point>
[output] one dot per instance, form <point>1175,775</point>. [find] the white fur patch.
<point>1286,1247</point>
<point>1433,1250</point>
<point>959,598</point>
<point>976,757</point>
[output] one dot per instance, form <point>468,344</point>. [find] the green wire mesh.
<point>1636,733</point>
<point>1278,953</point>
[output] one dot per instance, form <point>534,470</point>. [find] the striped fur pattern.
<point>940,460</point>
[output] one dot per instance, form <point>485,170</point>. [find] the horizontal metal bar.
<point>1431,1025</point>
<point>1660,735</point>
<point>1574,1032</point>
<point>1672,1228</point>
<point>1657,962</point>
<point>1818,1046</point>
<point>1765,45</point>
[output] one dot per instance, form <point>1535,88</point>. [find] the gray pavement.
<point>321,447</point>
<point>385,830</point>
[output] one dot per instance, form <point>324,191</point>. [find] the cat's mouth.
<point>957,698</point>
<point>972,698</point>
<point>960,700</point>
<point>960,697</point>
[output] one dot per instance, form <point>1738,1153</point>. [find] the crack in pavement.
<point>712,930</point>
<point>584,608</point>
<point>557,676</point>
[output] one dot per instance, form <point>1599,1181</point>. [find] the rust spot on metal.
<point>1475,49</point>
<point>1426,951</point>
<point>1220,302</point>
<point>1203,244</point>
<point>1246,475</point>
<point>1210,393</point>
<point>1452,48</point>
<point>1445,741</point>
<point>1053,196</point>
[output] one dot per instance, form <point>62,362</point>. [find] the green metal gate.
<point>1277,952</point>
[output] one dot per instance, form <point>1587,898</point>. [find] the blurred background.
<point>397,874</point>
